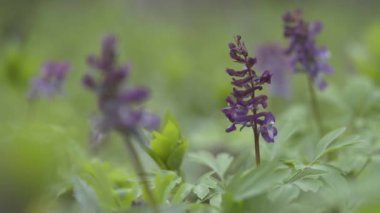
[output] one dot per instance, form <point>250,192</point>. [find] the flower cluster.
<point>120,106</point>
<point>302,47</point>
<point>270,56</point>
<point>50,81</point>
<point>244,103</point>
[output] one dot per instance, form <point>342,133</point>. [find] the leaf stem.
<point>141,173</point>
<point>315,107</point>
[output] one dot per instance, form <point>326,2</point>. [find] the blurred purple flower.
<point>50,80</point>
<point>244,103</point>
<point>271,56</point>
<point>302,47</point>
<point>120,106</point>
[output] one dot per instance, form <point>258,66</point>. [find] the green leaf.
<point>309,184</point>
<point>95,174</point>
<point>284,193</point>
<point>163,142</point>
<point>223,161</point>
<point>209,180</point>
<point>182,192</point>
<point>168,147</point>
<point>216,200</point>
<point>306,172</point>
<point>254,182</point>
<point>229,204</point>
<point>201,190</point>
<point>219,164</point>
<point>344,143</point>
<point>125,196</point>
<point>206,182</point>
<point>174,160</point>
<point>164,184</point>
<point>323,144</point>
<point>86,197</point>
<point>287,130</point>
<point>334,177</point>
<point>103,179</point>
<point>306,179</point>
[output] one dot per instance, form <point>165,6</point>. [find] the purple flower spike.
<point>50,81</point>
<point>303,49</point>
<point>272,57</point>
<point>120,106</point>
<point>244,104</point>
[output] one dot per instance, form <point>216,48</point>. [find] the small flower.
<point>271,56</point>
<point>244,103</point>
<point>50,80</point>
<point>302,46</point>
<point>120,106</point>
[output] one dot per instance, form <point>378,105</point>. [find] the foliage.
<point>167,146</point>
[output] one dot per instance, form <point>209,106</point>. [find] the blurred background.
<point>178,48</point>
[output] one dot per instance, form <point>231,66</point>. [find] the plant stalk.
<point>141,173</point>
<point>257,144</point>
<point>315,107</point>
<point>256,136</point>
<point>254,127</point>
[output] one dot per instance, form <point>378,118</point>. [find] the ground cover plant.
<point>219,122</point>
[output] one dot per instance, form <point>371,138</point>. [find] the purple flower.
<point>244,103</point>
<point>302,46</point>
<point>271,56</point>
<point>50,80</point>
<point>120,105</point>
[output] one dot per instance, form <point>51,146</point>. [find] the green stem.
<point>257,144</point>
<point>254,127</point>
<point>141,173</point>
<point>315,107</point>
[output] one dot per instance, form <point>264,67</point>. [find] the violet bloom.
<point>50,81</point>
<point>302,46</point>
<point>271,56</point>
<point>244,104</point>
<point>120,105</point>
